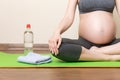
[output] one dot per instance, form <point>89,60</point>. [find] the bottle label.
<point>28,38</point>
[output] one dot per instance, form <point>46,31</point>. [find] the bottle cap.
<point>28,26</point>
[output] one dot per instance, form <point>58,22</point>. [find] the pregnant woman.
<point>97,31</point>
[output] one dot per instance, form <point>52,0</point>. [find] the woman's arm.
<point>67,20</point>
<point>55,40</point>
<point>118,6</point>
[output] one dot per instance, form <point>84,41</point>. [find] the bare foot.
<point>94,50</point>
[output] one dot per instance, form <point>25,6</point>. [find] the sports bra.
<point>86,6</point>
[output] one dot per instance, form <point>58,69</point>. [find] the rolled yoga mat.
<point>10,61</point>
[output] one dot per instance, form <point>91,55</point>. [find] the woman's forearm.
<point>64,25</point>
<point>118,6</point>
<point>68,18</point>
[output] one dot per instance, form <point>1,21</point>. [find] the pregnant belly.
<point>98,28</point>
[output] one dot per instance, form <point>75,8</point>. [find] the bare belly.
<point>97,27</point>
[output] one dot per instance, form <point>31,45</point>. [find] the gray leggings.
<point>70,50</point>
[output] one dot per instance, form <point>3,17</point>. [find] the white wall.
<point>43,15</point>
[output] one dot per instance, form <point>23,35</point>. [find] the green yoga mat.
<point>10,61</point>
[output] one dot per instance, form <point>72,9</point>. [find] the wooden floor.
<point>56,73</point>
<point>60,74</point>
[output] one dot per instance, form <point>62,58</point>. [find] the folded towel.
<point>34,58</point>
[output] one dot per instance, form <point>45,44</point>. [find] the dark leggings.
<point>70,49</point>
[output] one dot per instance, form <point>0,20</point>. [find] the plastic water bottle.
<point>28,39</point>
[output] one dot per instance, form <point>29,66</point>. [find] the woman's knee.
<point>69,52</point>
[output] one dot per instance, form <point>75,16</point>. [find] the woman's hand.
<point>54,43</point>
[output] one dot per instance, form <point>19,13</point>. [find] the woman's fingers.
<point>59,43</point>
<point>50,46</point>
<point>53,46</point>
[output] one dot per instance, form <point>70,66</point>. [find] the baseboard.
<point>20,47</point>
